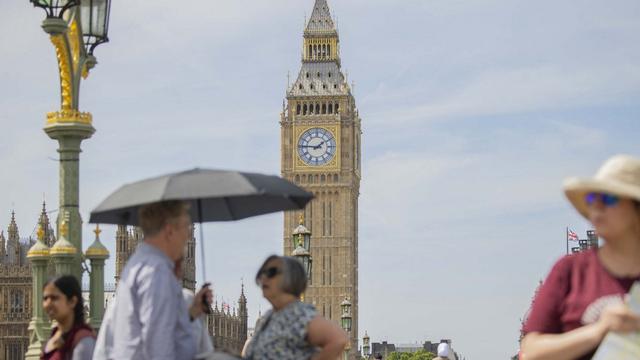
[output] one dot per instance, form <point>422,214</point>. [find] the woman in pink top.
<point>582,298</point>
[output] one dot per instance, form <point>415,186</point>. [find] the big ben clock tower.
<point>320,134</point>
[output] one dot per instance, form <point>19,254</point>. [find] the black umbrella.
<point>215,195</point>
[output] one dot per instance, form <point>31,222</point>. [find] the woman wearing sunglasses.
<point>292,330</point>
<point>71,338</point>
<point>582,298</point>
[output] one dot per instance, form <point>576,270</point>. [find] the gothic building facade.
<point>320,151</point>
<point>227,326</point>
<point>16,288</point>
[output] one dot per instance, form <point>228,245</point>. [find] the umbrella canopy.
<point>215,195</point>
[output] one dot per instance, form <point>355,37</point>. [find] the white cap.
<point>443,349</point>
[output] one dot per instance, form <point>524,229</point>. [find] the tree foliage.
<point>419,355</point>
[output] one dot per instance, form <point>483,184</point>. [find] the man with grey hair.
<point>150,319</point>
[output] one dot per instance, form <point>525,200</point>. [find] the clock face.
<point>316,146</point>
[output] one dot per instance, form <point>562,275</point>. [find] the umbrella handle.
<point>207,306</point>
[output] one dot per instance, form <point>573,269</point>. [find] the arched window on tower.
<point>317,108</point>
<point>337,108</point>
<point>304,109</point>
<point>330,108</point>
<point>324,108</point>
<point>330,222</point>
<point>310,51</point>
<point>298,109</point>
<point>16,304</point>
<point>329,52</point>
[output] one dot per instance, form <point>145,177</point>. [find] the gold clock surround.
<point>334,164</point>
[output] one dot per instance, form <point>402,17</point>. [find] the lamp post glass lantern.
<point>304,256</point>
<point>94,17</point>
<point>346,315</point>
<point>54,8</point>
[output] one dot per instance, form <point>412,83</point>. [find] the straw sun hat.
<point>620,175</point>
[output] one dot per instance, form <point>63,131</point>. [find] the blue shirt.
<point>150,320</point>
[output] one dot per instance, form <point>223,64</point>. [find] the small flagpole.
<point>567,240</point>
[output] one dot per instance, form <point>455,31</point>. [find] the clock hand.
<point>318,146</point>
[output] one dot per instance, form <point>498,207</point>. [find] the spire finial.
<point>301,220</point>
<point>97,231</point>
<point>40,233</point>
<point>64,228</point>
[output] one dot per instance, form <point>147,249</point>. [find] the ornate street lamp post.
<point>366,346</point>
<point>75,27</point>
<point>301,244</point>
<point>346,320</point>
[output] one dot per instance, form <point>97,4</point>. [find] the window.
<point>330,217</point>
<point>307,75</point>
<point>16,299</point>
<point>324,268</point>
<point>329,74</point>
<point>300,86</point>
<point>311,86</point>
<point>324,218</point>
<point>330,279</point>
<point>297,112</point>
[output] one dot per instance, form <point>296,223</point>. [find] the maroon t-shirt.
<point>574,294</point>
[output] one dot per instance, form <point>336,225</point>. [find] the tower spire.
<point>13,229</point>
<point>3,245</point>
<point>43,222</point>
<point>320,20</point>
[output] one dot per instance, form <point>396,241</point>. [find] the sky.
<point>473,113</point>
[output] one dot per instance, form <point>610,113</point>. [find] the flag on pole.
<point>571,235</point>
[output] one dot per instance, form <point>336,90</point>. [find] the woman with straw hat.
<point>582,298</point>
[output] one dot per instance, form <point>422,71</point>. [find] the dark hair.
<point>154,217</point>
<point>69,286</point>
<point>294,277</point>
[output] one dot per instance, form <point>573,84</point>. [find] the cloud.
<point>516,91</point>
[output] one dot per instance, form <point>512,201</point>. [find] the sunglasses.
<point>607,200</point>
<point>270,272</point>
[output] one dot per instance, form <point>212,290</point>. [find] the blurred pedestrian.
<point>443,351</point>
<point>292,330</point>
<point>582,298</point>
<point>195,310</point>
<point>150,320</point>
<point>71,338</point>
